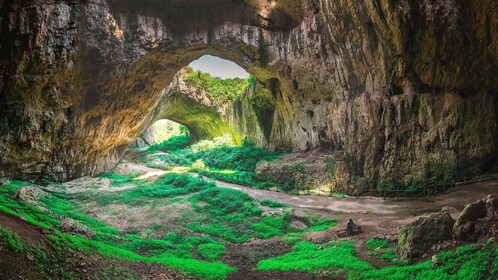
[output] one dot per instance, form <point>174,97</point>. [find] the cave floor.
<point>156,217</point>
<point>379,218</point>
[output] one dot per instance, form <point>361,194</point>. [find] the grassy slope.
<point>218,216</point>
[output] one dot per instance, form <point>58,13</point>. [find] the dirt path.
<point>364,205</point>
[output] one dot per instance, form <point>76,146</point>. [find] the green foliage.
<point>174,251</point>
<point>469,262</point>
<point>291,239</point>
<point>373,244</point>
<point>12,239</point>
<point>221,201</point>
<point>242,158</point>
<point>271,203</point>
<point>231,215</point>
<point>309,258</point>
<point>172,144</point>
<point>219,90</point>
<point>322,224</point>
<point>119,179</point>
<point>211,251</point>
<point>388,255</point>
<point>205,145</point>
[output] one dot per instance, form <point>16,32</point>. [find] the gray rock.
<point>419,236</point>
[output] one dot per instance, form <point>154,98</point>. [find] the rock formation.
<point>406,89</point>
<point>418,237</point>
<point>475,217</point>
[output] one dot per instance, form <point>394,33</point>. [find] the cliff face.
<point>405,89</point>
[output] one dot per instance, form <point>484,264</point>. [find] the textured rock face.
<point>407,89</point>
<point>470,222</point>
<point>418,237</point>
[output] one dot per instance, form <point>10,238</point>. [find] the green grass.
<point>373,244</point>
<point>218,216</point>
<point>388,255</point>
<point>211,251</point>
<point>119,179</point>
<point>271,203</point>
<point>172,144</point>
<point>334,258</point>
<point>468,262</point>
<point>321,224</point>
<point>11,239</point>
<point>220,159</point>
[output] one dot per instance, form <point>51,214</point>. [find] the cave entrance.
<point>203,97</point>
<point>219,67</point>
<point>160,131</point>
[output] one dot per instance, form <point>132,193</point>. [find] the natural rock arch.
<point>375,80</point>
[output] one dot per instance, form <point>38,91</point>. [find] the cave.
<point>375,111</point>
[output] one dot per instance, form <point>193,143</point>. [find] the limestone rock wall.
<point>406,89</point>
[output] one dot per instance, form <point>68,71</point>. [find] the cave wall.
<point>402,88</point>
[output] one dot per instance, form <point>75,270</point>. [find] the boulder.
<point>419,236</point>
<point>474,217</point>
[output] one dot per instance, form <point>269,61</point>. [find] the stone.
<point>403,89</point>
<point>492,207</point>
<point>449,209</point>
<point>475,217</point>
<point>419,236</point>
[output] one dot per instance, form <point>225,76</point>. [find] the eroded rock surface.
<point>418,237</point>
<point>406,89</point>
<point>475,217</point>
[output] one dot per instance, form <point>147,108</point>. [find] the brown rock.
<point>492,207</point>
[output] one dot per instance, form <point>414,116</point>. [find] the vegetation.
<point>12,239</point>
<point>216,159</point>
<point>172,144</point>
<point>219,90</point>
<point>211,251</point>
<point>271,203</point>
<point>373,244</point>
<point>332,258</point>
<point>467,262</point>
<point>217,216</point>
